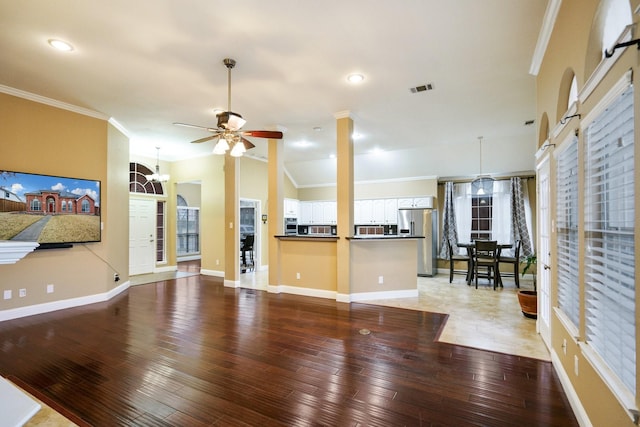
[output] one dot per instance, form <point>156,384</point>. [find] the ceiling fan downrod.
<point>229,63</point>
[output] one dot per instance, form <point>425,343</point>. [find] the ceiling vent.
<point>422,88</point>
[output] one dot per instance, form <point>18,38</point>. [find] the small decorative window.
<point>138,182</point>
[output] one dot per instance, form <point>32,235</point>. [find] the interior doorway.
<point>249,235</point>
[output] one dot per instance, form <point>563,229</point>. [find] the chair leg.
<point>450,270</point>
<point>516,274</point>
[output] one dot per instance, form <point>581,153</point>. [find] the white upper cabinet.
<point>318,212</point>
<point>329,212</point>
<point>377,211</point>
<point>416,202</point>
<point>306,213</point>
<point>390,211</point>
<point>291,208</point>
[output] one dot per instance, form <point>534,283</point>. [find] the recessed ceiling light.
<point>355,78</point>
<point>60,45</point>
<point>332,156</point>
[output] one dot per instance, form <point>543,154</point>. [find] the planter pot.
<point>528,303</point>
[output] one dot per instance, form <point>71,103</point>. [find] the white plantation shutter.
<point>609,237</point>
<point>567,230</point>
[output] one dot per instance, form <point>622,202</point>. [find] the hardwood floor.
<point>190,352</point>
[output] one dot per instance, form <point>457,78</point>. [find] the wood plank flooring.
<point>190,352</point>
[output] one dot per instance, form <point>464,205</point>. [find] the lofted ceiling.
<point>149,63</point>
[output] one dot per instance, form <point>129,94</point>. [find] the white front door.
<point>142,218</point>
<point>543,250</point>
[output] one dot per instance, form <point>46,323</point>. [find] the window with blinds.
<point>609,238</point>
<point>567,231</point>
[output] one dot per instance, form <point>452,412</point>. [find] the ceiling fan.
<point>228,128</point>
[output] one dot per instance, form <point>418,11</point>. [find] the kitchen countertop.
<point>305,237</point>
<point>384,237</point>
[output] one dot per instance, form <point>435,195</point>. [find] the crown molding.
<point>548,22</point>
<point>52,102</point>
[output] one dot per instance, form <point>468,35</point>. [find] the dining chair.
<point>485,255</point>
<point>514,260</point>
<point>457,257</point>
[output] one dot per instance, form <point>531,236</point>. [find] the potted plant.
<point>529,299</point>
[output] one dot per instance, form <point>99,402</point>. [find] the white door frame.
<point>543,247</point>
<point>257,231</point>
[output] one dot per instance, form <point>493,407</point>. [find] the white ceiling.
<point>149,63</point>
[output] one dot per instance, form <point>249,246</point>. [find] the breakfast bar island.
<point>379,267</point>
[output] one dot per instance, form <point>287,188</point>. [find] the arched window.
<point>573,92</point>
<point>35,205</point>
<point>85,206</point>
<point>182,201</point>
<point>617,15</point>
<point>138,182</point>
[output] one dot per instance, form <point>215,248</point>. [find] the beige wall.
<point>569,49</point>
<point>38,138</point>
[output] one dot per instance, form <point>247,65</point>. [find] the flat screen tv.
<point>52,210</point>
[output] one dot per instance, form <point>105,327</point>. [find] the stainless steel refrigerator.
<point>421,222</point>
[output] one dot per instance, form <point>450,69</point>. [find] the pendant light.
<point>483,184</point>
<point>157,176</point>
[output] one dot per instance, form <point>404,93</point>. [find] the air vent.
<point>421,88</point>
<point>529,122</point>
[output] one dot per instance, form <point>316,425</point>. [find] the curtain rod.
<point>470,178</point>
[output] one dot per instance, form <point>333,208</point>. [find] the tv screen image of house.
<point>49,209</point>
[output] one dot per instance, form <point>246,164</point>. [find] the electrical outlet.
<point>217,262</point>
<point>7,294</point>
<point>564,346</point>
<point>22,293</point>
<point>298,276</point>
<point>575,364</point>
<point>49,288</point>
<point>380,280</point>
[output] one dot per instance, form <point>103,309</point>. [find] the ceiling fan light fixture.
<point>238,149</point>
<point>221,146</point>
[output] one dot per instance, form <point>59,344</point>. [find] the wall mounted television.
<point>55,211</point>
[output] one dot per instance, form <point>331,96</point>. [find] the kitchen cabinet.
<point>390,211</point>
<point>306,213</point>
<point>329,212</point>
<point>375,211</point>
<point>416,202</point>
<point>318,212</point>
<point>291,208</point>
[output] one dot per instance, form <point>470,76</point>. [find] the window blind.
<point>567,230</point>
<point>609,238</point>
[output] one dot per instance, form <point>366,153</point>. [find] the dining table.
<point>470,246</point>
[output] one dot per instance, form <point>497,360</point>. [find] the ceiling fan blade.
<point>205,139</point>
<point>247,144</point>
<point>196,126</point>
<point>263,134</point>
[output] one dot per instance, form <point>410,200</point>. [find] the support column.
<point>275,208</point>
<point>231,223</point>
<point>345,192</point>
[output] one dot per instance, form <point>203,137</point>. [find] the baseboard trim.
<point>47,307</point>
<point>216,273</point>
<point>572,396</point>
<point>372,296</point>
<point>307,292</point>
